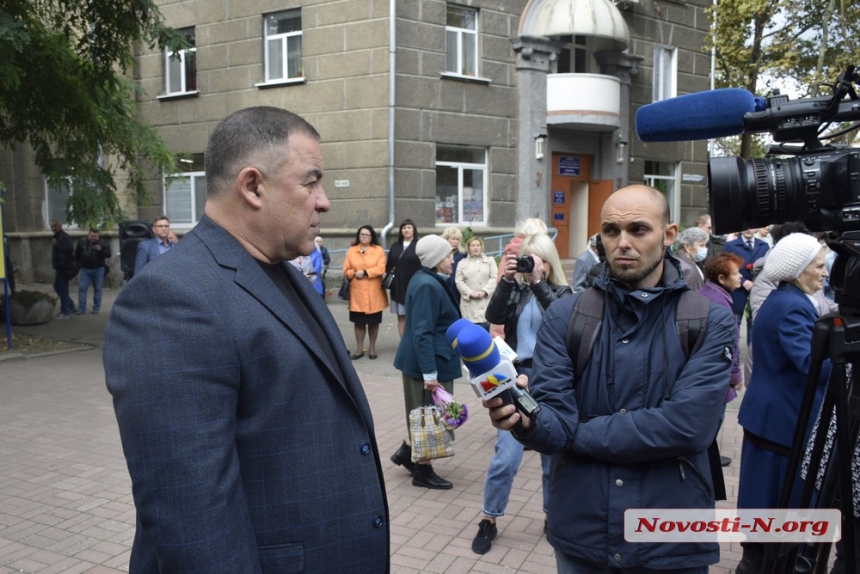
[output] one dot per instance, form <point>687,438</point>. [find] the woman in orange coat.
<point>364,266</point>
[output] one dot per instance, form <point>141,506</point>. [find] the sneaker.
<point>80,312</point>
<point>61,316</point>
<point>487,532</point>
<point>95,311</point>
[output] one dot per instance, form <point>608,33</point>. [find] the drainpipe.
<point>392,78</point>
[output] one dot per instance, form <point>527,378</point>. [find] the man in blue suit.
<point>246,431</point>
<point>158,245</point>
<point>750,249</point>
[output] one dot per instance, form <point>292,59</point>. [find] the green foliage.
<point>63,89</point>
<point>760,44</point>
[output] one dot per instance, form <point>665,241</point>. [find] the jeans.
<point>61,287</point>
<point>568,565</point>
<point>95,277</point>
<point>503,468</point>
<point>501,472</point>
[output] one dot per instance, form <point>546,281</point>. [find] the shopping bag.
<point>343,292</point>
<point>430,438</point>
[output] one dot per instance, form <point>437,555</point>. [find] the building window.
<point>462,41</point>
<point>185,192</point>
<point>662,176</point>
<point>56,198</point>
<point>461,175</point>
<point>573,58</point>
<point>665,71</point>
<point>180,68</point>
<point>283,45</point>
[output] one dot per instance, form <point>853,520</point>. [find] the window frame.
<point>285,54</point>
<point>461,167</point>
<point>49,214</point>
<point>653,180</point>
<point>665,63</point>
<point>185,72</point>
<point>459,32</point>
<point>176,221</point>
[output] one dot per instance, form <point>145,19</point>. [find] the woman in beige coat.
<point>364,266</point>
<point>475,280</point>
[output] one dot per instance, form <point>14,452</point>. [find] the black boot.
<point>424,476</point>
<point>752,560</point>
<point>403,457</point>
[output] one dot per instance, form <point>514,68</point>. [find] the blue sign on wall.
<point>558,197</point>
<point>558,217</point>
<point>569,165</point>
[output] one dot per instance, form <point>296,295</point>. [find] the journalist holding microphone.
<point>633,428</point>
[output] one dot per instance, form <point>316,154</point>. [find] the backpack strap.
<point>691,319</point>
<point>584,326</point>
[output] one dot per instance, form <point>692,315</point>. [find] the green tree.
<point>760,43</point>
<point>64,89</point>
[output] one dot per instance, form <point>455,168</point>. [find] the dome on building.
<point>594,18</point>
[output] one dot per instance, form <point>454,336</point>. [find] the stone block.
<point>345,126</point>
<point>497,48</point>
<point>433,63</point>
<point>341,12</point>
<point>503,160</point>
<point>350,63</point>
<point>366,34</point>
<point>329,40</point>
<point>408,61</point>
<point>407,124</point>
<point>420,35</point>
<point>417,92</point>
<point>364,154</point>
<point>366,92</point>
<point>465,129</point>
<point>415,154</point>
<point>229,31</point>
<point>379,61</point>
<point>491,100</point>
<point>245,53</point>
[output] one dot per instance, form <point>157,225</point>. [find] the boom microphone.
<point>699,116</point>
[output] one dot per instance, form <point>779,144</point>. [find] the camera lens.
<point>821,190</point>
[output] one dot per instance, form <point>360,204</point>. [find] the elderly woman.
<point>476,281</point>
<point>781,342</point>
<point>692,248</point>
<point>722,276</point>
<point>424,356</point>
<point>364,265</point>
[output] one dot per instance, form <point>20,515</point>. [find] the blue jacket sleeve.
<point>142,257</point>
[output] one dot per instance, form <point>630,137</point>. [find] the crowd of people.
<point>632,359</point>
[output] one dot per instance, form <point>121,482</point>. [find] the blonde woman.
<point>475,281</point>
<point>454,236</point>
<point>518,303</point>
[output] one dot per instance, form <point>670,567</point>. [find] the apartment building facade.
<point>470,113</point>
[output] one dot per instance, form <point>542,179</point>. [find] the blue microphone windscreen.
<point>703,115</point>
<point>477,349</point>
<point>455,328</point>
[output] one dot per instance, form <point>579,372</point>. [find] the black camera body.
<point>525,264</point>
<point>813,183</point>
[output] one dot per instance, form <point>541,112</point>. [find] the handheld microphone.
<point>703,115</point>
<point>491,371</point>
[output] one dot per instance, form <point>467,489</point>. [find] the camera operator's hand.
<point>505,417</point>
<point>510,267</point>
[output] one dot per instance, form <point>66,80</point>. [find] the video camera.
<point>817,184</point>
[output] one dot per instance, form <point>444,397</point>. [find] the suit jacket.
<point>750,256</point>
<point>248,450</point>
<point>146,252</point>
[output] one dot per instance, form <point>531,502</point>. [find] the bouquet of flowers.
<point>454,413</point>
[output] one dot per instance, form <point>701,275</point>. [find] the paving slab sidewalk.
<point>65,499</point>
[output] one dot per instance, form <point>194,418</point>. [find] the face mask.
<point>701,253</point>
